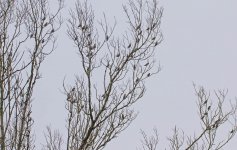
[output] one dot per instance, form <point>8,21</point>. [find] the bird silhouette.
<point>139,33</point>
<point>209,107</point>
<point>45,24</point>
<point>137,80</point>
<point>153,26</point>
<point>124,96</point>
<point>84,27</point>
<point>122,117</point>
<point>43,18</point>
<point>134,67</point>
<point>76,38</point>
<point>107,64</point>
<point>106,37</point>
<point>118,55</point>
<point>129,45</point>
<point>73,89</point>
<point>149,74</point>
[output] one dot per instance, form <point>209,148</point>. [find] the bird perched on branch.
<point>118,55</point>
<point>106,37</point>
<point>149,74</point>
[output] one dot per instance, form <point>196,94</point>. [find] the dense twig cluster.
<point>26,27</point>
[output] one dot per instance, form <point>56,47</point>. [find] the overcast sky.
<point>199,46</point>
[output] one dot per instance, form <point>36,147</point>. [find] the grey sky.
<point>199,46</point>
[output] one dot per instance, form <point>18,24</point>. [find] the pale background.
<point>199,46</point>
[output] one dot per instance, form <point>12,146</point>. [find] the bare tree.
<point>98,110</point>
<point>218,123</point>
<point>26,28</point>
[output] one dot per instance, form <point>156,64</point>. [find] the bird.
<point>89,54</point>
<point>45,24</point>
<point>153,38</point>
<point>84,27</point>
<point>112,125</point>
<point>129,45</point>
<point>106,37</point>
<point>209,107</point>
<point>73,89</point>
<point>153,26</point>
<point>156,43</point>
<point>134,67</point>
<point>205,102</point>
<point>42,41</point>
<point>94,46</point>
<point>118,55</point>
<point>232,131</point>
<point>52,31</point>
<point>107,64</point>
<point>43,18</point>
<point>76,38</point>
<point>124,96</point>
<point>122,117</point>
<point>149,74</point>
<point>139,33</point>
<point>146,64</point>
<point>68,97</point>
<point>31,36</point>
<point>137,80</point>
